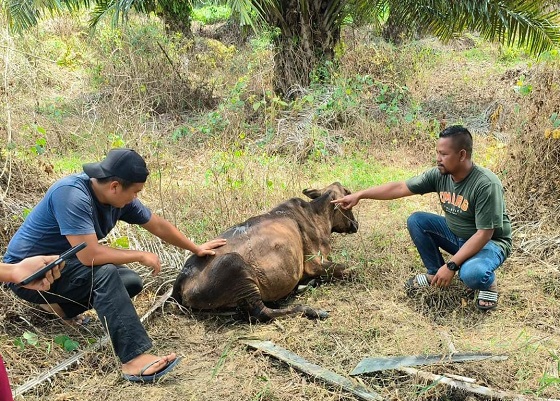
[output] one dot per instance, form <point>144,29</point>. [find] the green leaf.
<point>31,338</point>
<point>528,24</point>
<point>18,342</point>
<point>61,339</point>
<point>121,242</point>
<point>70,345</point>
<point>66,342</point>
<point>526,89</point>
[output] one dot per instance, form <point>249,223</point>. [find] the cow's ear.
<point>312,193</point>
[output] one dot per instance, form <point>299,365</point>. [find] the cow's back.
<point>271,246</point>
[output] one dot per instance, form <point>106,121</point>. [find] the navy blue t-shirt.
<point>69,208</point>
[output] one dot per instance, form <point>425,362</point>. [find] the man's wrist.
<point>453,266</point>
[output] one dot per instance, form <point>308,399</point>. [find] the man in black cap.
<point>84,208</point>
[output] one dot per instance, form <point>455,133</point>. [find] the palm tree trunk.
<point>309,31</point>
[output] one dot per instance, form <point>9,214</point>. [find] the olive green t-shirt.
<point>475,203</point>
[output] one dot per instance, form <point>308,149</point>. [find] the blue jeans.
<point>108,289</point>
<point>430,233</point>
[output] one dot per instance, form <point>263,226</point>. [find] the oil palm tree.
<point>308,30</point>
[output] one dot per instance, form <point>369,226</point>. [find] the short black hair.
<point>124,183</point>
<point>461,137</point>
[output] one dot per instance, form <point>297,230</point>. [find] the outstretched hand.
<point>347,202</point>
<point>28,266</point>
<point>206,249</point>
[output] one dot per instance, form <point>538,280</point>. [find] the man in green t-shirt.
<point>475,228</point>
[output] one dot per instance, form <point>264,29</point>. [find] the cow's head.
<point>343,220</point>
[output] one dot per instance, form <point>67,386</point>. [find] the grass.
<point>251,159</point>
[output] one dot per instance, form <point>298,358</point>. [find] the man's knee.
<point>413,219</point>
<point>131,280</point>
<point>109,275</point>
<point>420,220</point>
<point>476,277</point>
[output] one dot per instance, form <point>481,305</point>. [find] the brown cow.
<point>267,256</point>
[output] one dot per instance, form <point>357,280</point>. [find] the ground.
<point>370,315</point>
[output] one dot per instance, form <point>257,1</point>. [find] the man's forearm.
<point>473,245</point>
<point>103,254</point>
<point>388,191</point>
<point>166,231</point>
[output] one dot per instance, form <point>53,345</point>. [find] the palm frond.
<point>117,10</point>
<point>249,12</point>
<point>524,23</point>
<point>21,15</point>
<point>24,14</point>
<point>364,11</point>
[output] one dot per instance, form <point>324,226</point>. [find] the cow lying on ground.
<point>267,256</point>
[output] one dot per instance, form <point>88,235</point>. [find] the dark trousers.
<point>108,289</point>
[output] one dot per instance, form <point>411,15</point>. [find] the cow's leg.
<point>257,311</point>
<point>230,280</point>
<point>329,271</point>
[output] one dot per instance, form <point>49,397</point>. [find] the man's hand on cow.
<point>443,277</point>
<point>347,202</point>
<point>152,261</point>
<point>206,249</point>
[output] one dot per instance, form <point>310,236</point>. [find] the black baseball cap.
<point>120,162</point>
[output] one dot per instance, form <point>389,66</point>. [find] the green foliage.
<point>121,242</point>
<point>221,360</point>
<point>32,339</point>
<point>216,54</point>
<point>28,338</point>
<point>555,120</point>
<point>548,379</point>
<point>264,40</point>
<point>389,100</point>
<point>55,109</point>
<point>25,212</point>
<point>522,87</point>
<point>69,58</point>
<point>68,164</point>
<point>527,24</point>
<point>116,140</point>
<point>510,55</point>
<point>66,343</point>
<point>264,393</point>
<point>551,55</point>
<point>477,54</point>
<point>40,143</point>
<point>358,171</point>
<point>211,14</point>
<point>177,14</point>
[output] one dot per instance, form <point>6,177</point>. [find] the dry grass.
<point>205,188</point>
<point>369,316</point>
